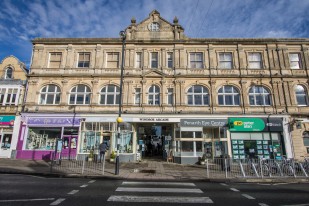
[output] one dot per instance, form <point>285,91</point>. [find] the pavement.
<point>148,169</point>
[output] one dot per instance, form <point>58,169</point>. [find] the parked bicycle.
<point>287,166</point>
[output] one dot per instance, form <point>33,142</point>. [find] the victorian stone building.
<point>182,97</point>
<point>12,89</point>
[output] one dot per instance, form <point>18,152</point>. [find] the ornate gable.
<point>154,73</point>
<point>155,28</point>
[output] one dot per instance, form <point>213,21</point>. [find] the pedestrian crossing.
<point>174,192</point>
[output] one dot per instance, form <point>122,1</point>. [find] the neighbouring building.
<point>181,96</point>
<point>12,88</point>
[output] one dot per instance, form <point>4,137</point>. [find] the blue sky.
<point>23,20</point>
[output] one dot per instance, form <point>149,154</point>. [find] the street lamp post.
<point>119,119</point>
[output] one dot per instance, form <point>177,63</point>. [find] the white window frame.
<point>194,96</point>
<point>170,59</point>
<point>253,60</point>
<point>155,95</point>
<point>152,59</point>
<point>256,95</point>
<point>85,94</point>
<point>4,93</point>
<point>55,94</point>
<point>225,59</point>
<point>194,61</point>
<point>170,96</point>
<point>154,26</point>
<point>83,62</point>
<point>295,63</point>
<point>139,60</point>
<point>234,94</point>
<point>137,94</point>
<point>6,73</point>
<point>303,95</point>
<point>107,94</point>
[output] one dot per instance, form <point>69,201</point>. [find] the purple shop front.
<point>39,136</point>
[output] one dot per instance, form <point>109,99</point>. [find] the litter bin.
<point>225,162</point>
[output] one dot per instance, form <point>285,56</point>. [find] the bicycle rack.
<point>242,169</point>
<point>254,169</point>
<point>302,169</point>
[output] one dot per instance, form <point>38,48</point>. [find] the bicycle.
<point>287,166</point>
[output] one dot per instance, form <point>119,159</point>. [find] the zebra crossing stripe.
<point>159,199</point>
<point>144,189</point>
<point>160,183</point>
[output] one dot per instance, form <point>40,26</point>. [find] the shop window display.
<point>42,138</point>
<point>125,142</point>
<point>90,141</point>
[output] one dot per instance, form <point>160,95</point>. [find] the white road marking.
<point>57,202</point>
<point>92,181</point>
<point>73,192</point>
<point>174,190</point>
<point>159,199</point>
<point>263,204</point>
<point>159,183</point>
<point>306,204</point>
<point>248,196</point>
<point>28,200</point>
<point>235,190</point>
<point>223,184</point>
<point>84,186</point>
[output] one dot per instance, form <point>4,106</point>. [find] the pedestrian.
<point>102,148</point>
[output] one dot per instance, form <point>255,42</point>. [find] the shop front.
<point>196,138</point>
<point>6,135</point>
<point>39,136</point>
<point>257,138</point>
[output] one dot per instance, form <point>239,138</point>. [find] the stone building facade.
<point>12,89</point>
<point>181,96</point>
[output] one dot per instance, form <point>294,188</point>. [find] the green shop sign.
<point>246,124</point>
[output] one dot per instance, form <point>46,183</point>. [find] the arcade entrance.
<point>154,141</point>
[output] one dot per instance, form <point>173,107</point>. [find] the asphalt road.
<point>17,190</point>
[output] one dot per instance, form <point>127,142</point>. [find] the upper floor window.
<point>198,95</point>
<point>259,96</point>
<point>55,59</point>
<point>196,60</point>
<point>225,60</point>
<point>255,60</point>
<point>301,95</point>
<point>83,59</point>
<point>9,73</point>
<point>138,63</point>
<point>109,95</point>
<point>154,26</point>
<point>170,96</point>
<point>50,94</point>
<point>137,96</point>
<point>154,95</point>
<point>228,95</point>
<point>169,59</point>
<point>8,96</point>
<point>80,94</point>
<point>113,60</point>
<point>154,59</point>
<point>295,62</point>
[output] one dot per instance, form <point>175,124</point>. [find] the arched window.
<point>50,94</point>
<point>301,95</point>
<point>154,95</point>
<point>228,95</point>
<point>9,73</point>
<point>109,95</point>
<point>198,95</point>
<point>306,140</point>
<point>80,94</point>
<point>259,96</point>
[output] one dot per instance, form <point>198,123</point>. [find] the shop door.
<point>69,146</point>
<point>5,150</point>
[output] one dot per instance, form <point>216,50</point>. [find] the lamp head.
<point>122,34</point>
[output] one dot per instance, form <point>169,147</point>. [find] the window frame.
<point>170,96</point>
<point>83,63</point>
<point>154,60</point>
<point>224,60</point>
<point>299,64</point>
<point>86,94</point>
<point>52,61</point>
<point>6,76</point>
<point>115,94</point>
<point>137,94</point>
<point>234,94</point>
<point>262,95</point>
<point>303,95</point>
<point>252,61</point>
<point>11,93</point>
<point>154,96</point>
<point>194,62</point>
<point>113,61</point>
<point>139,60</point>
<point>170,60</point>
<point>54,95</point>
<point>194,95</point>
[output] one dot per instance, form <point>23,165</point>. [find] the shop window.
<point>90,140</point>
<point>125,142</point>
<point>198,95</point>
<point>6,141</point>
<point>259,96</point>
<point>42,138</point>
<point>80,95</point>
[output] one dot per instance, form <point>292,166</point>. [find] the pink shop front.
<point>39,134</point>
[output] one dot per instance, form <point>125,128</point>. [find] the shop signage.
<point>255,124</point>
<point>7,120</point>
<point>53,121</point>
<point>155,119</point>
<point>203,122</point>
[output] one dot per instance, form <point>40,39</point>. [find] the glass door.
<point>69,146</point>
<point>5,148</point>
